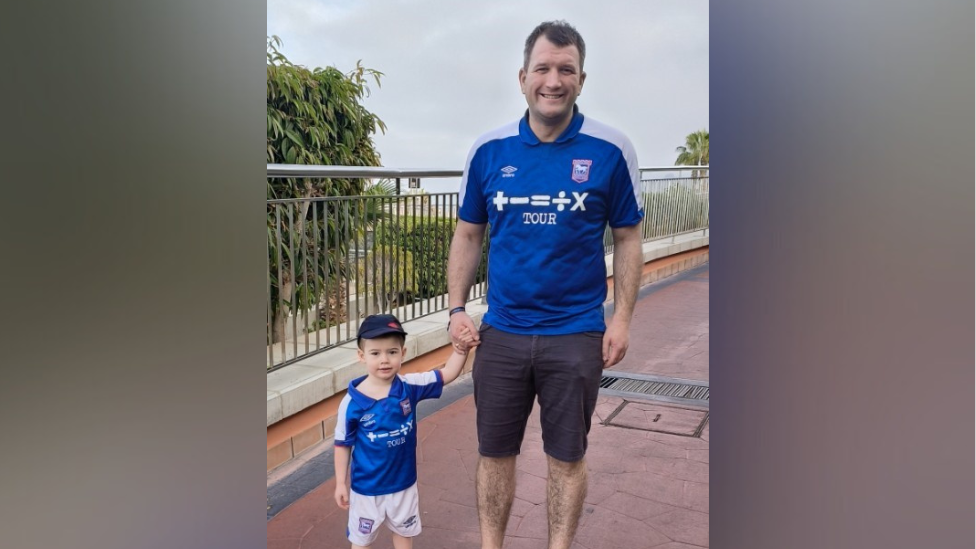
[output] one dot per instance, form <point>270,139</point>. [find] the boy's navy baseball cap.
<point>374,326</point>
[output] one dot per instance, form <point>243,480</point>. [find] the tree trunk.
<point>280,313</point>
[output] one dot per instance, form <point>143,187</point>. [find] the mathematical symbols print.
<point>500,201</point>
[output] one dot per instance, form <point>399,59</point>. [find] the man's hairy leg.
<point>495,488</point>
<point>566,492</point>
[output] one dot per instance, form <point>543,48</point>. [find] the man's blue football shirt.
<point>547,206</point>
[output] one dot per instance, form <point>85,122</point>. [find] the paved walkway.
<point>647,488</point>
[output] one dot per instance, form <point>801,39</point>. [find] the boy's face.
<point>382,357</point>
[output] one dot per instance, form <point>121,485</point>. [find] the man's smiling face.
<point>551,82</point>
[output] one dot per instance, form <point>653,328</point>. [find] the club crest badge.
<point>365,525</point>
<point>581,170</point>
<point>405,406</point>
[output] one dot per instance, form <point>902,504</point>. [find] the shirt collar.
<point>396,391</point>
<point>529,138</point>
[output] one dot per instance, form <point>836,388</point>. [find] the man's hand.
<point>342,495</point>
<point>463,333</point>
<point>616,340</point>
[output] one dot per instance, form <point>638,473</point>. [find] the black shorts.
<point>510,370</point>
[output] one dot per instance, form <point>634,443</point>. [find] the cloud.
<point>451,68</point>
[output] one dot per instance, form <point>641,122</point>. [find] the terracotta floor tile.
<point>521,507</point>
<point>438,454</point>
<point>635,507</point>
<point>469,461</point>
<point>525,543</point>
<point>609,529</point>
<point>530,488</point>
<point>683,469</point>
<point>600,487</point>
<point>656,417</point>
<point>683,525</point>
<point>290,543</point>
<point>652,486</point>
<point>446,476</point>
<point>463,494</point>
<point>332,533</point>
<point>696,496</point>
<point>449,516</point>
<point>698,455</point>
<point>678,545</point>
<point>534,465</point>
<point>442,538</point>
<point>533,525</point>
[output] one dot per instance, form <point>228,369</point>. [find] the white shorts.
<point>399,510</point>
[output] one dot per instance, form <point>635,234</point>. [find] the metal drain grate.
<point>664,389</point>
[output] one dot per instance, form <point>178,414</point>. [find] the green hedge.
<point>428,240</point>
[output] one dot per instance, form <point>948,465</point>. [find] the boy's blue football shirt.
<point>384,432</point>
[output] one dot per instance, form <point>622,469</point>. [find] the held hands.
<point>464,336</point>
<point>467,342</point>
<point>342,495</point>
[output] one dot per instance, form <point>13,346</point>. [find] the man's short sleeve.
<point>471,197</point>
<point>626,208</point>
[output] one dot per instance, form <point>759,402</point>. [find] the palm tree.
<point>694,152</point>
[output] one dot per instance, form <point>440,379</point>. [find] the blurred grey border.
<point>842,274</point>
<point>133,253</point>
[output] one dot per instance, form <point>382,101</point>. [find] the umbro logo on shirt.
<point>509,171</point>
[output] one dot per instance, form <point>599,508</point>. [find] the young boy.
<point>378,417</point>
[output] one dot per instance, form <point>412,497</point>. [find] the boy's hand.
<point>467,341</point>
<point>342,496</point>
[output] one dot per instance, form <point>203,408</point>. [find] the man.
<point>548,185</point>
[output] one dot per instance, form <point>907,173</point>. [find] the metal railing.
<point>334,260</point>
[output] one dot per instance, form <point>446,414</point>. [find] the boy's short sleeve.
<point>345,431</point>
<point>424,385</point>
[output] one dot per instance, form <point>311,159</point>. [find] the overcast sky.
<point>451,68</point>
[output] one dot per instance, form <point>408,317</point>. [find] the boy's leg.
<point>365,518</point>
<point>400,542</point>
<point>402,510</point>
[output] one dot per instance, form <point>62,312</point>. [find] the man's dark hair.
<point>560,33</point>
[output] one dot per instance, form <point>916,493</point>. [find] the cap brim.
<point>379,332</point>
